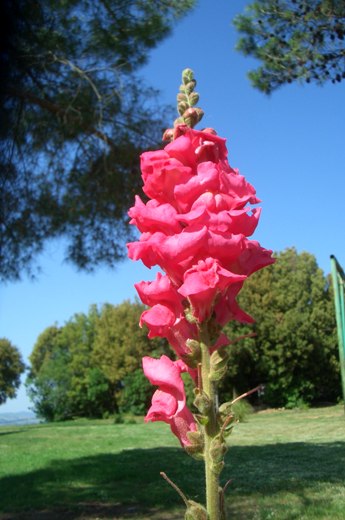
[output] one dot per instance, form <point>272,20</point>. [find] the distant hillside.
<point>18,418</point>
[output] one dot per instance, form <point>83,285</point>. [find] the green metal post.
<point>338,278</point>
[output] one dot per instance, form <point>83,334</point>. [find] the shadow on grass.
<point>129,481</point>
<point>10,432</point>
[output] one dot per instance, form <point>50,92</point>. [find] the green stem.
<point>210,431</point>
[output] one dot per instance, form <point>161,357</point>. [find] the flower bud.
<point>179,121</point>
<point>168,135</point>
<point>191,117</point>
<point>182,97</point>
<point>187,75</point>
<point>190,86</point>
<point>193,98</point>
<point>200,113</point>
<point>195,511</point>
<point>182,107</point>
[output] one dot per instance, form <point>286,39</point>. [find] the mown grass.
<point>285,465</point>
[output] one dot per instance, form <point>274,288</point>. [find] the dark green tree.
<point>11,368</point>
<point>90,366</point>
<point>295,40</point>
<point>294,352</point>
<point>120,345</point>
<point>136,394</point>
<point>74,118</point>
<point>48,381</point>
<point>62,381</point>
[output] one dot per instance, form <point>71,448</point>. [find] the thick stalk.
<point>210,431</point>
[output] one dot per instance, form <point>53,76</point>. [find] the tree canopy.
<point>294,351</point>
<point>11,368</point>
<point>295,40</point>
<point>74,118</point>
<point>81,368</point>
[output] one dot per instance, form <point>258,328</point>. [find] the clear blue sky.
<point>290,146</point>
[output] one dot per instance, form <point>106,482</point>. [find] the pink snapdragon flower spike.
<point>196,228</point>
<point>169,401</point>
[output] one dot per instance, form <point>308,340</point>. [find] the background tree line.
<point>91,366</point>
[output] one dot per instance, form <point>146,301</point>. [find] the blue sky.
<point>290,146</point>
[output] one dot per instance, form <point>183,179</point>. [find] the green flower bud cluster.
<point>186,101</point>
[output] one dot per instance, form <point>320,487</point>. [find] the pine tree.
<point>74,118</point>
<point>295,40</point>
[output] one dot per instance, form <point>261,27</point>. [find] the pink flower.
<point>161,174</point>
<point>154,216</point>
<point>171,252</point>
<point>223,222</point>
<point>227,308</point>
<point>159,319</point>
<point>169,401</point>
<point>212,178</point>
<point>160,291</point>
<point>204,283</point>
<point>194,147</point>
<point>162,322</point>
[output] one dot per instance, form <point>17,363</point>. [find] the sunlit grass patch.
<point>284,465</point>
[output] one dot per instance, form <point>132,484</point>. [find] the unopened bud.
<point>189,87</point>
<point>193,98</point>
<point>191,117</point>
<point>179,121</point>
<point>168,135</point>
<point>182,97</point>
<point>187,76</point>
<point>200,113</point>
<point>182,107</point>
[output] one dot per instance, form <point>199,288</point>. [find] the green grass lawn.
<point>284,465</point>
